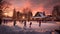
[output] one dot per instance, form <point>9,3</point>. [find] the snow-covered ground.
<point>48,26</point>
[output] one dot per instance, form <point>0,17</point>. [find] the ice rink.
<point>45,26</point>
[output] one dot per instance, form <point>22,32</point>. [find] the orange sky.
<point>34,5</point>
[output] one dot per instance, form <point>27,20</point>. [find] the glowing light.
<point>23,17</point>
<point>5,14</point>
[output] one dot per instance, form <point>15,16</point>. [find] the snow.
<point>45,28</point>
<point>48,26</point>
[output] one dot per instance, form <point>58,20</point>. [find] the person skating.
<point>30,24</point>
<point>39,23</point>
<point>14,22</point>
<point>24,23</point>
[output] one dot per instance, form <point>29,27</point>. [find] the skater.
<point>30,24</point>
<point>14,22</point>
<point>39,23</point>
<point>5,21</point>
<point>24,23</point>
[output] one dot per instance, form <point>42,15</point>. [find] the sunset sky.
<point>34,5</point>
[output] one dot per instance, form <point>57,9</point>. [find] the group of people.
<point>24,22</point>
<point>31,24</point>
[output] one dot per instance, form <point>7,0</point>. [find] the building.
<point>39,16</point>
<point>49,18</point>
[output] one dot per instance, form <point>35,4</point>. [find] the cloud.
<point>45,2</point>
<point>46,5</point>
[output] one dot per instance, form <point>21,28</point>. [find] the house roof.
<point>39,15</point>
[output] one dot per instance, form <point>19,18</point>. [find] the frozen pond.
<point>48,26</point>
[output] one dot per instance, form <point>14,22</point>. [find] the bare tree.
<point>2,6</point>
<point>56,12</point>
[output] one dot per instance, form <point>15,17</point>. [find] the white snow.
<point>35,26</point>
